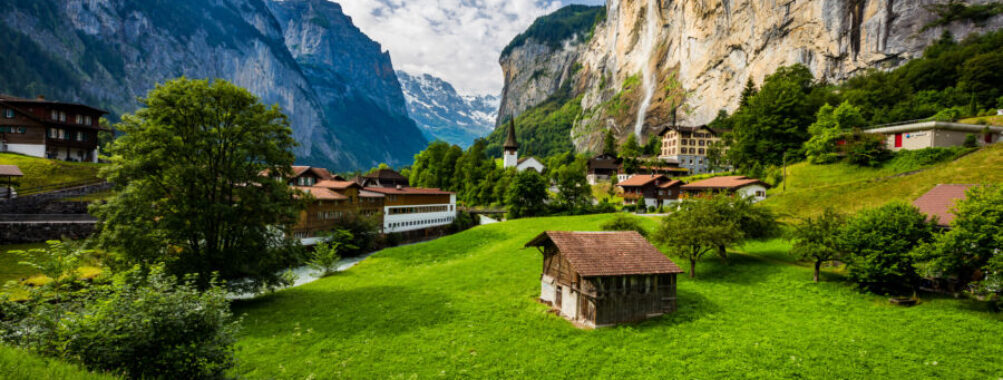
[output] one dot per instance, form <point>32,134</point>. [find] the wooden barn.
<point>598,279</point>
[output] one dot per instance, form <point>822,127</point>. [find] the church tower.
<point>511,155</point>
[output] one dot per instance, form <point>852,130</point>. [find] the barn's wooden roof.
<point>613,253</point>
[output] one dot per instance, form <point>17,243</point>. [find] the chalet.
<point>510,158</point>
<point>929,134</point>
<point>734,185</point>
<point>656,189</point>
<point>598,279</point>
<point>688,146</point>
<point>603,168</point>
<point>383,178</point>
<point>44,128</point>
<point>939,203</point>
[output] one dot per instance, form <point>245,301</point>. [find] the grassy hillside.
<point>16,364</point>
<point>811,188</point>
<point>465,306</point>
<point>42,172</point>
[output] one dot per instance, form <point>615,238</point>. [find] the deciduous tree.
<point>694,230</point>
<point>816,238</point>
<point>190,184</point>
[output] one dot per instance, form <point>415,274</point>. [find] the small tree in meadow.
<point>326,255</point>
<point>526,194</point>
<point>694,230</point>
<point>817,238</point>
<point>879,242</point>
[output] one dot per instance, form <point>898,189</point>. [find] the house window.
<point>62,117</point>
<point>8,113</point>
<point>700,151</point>
<point>80,119</point>
<point>88,120</point>
<point>55,115</point>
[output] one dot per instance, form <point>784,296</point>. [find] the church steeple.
<point>510,157</point>
<point>510,143</point>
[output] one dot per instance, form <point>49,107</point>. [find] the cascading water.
<point>647,80</point>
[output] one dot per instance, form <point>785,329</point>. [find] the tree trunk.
<point>722,251</point>
<point>818,264</point>
<point>693,268</point>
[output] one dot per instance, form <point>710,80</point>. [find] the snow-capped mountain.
<point>444,114</point>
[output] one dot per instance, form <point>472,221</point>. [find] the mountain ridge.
<point>442,113</point>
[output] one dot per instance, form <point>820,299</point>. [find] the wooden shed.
<point>598,279</point>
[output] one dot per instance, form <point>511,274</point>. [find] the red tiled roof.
<point>726,182</point>
<point>642,179</point>
<point>340,185</point>
<point>321,193</point>
<point>615,253</point>
<point>406,190</point>
<point>10,171</point>
<point>939,202</point>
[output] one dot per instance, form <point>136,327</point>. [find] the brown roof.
<point>29,101</point>
<point>681,128</point>
<point>407,190</point>
<point>321,193</point>
<point>386,174</point>
<point>671,183</point>
<point>939,202</point>
<point>10,171</point>
<point>642,179</point>
<point>725,182</point>
<point>370,194</point>
<point>339,185</point>
<point>614,253</point>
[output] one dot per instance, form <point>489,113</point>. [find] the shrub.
<point>864,149</point>
<point>142,325</point>
<point>906,160</point>
<point>971,141</point>
<point>624,222</point>
<point>326,255</point>
<point>464,221</point>
<point>949,114</point>
<point>879,242</point>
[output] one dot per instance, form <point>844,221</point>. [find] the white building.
<point>736,185</point>
<point>413,208</point>
<point>930,134</point>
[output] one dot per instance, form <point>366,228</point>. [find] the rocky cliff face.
<point>109,52</point>
<point>652,59</point>
<point>444,114</point>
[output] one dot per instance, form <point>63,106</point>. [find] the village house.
<point>656,189</point>
<point>606,167</point>
<point>939,203</point>
<point>7,175</point>
<point>49,129</point>
<point>408,209</point>
<point>732,185</point>
<point>931,134</point>
<point>510,158</point>
<point>598,279</point>
<point>688,146</point>
<point>382,178</point>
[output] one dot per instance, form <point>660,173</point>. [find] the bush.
<point>624,222</point>
<point>864,149</point>
<point>971,141</point>
<point>879,242</point>
<point>140,325</point>
<point>326,255</point>
<point>906,160</point>
<point>949,114</point>
<point>464,221</point>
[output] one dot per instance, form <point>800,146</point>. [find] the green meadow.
<point>465,306</point>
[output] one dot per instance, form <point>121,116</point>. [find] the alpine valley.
<point>337,86</point>
<point>444,114</point>
<point>634,66</point>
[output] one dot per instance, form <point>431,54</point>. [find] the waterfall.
<point>647,80</point>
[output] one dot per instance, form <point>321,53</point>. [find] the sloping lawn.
<point>811,188</point>
<point>465,306</point>
<point>42,172</point>
<point>10,269</point>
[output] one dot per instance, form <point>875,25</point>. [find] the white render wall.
<point>511,159</point>
<point>418,221</point>
<point>530,163</point>
<point>34,150</point>
<point>547,291</point>
<point>569,303</point>
<point>750,192</point>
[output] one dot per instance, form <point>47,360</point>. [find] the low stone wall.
<point>37,232</point>
<point>49,203</point>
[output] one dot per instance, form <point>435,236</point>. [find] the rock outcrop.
<point>692,58</point>
<point>110,52</point>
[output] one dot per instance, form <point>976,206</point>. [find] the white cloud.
<point>458,40</point>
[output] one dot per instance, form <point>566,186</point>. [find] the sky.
<point>457,40</point>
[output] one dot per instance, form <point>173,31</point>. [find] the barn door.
<point>557,298</point>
